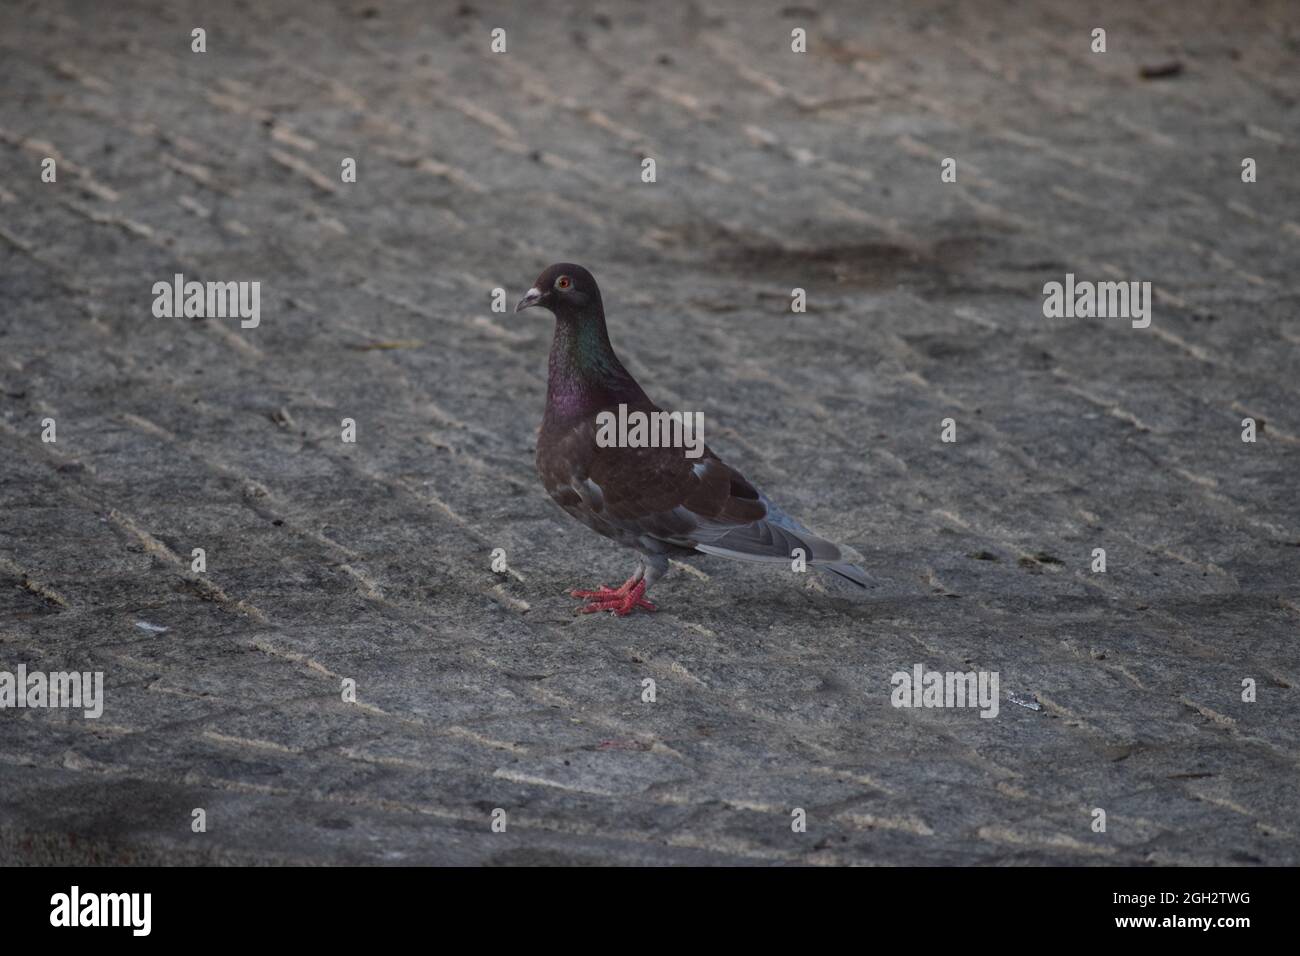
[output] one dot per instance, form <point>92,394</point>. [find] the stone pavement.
<point>371,561</point>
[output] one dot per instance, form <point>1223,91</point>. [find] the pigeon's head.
<point>565,289</point>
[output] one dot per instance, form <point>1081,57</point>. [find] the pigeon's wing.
<point>774,537</point>
<point>650,497</point>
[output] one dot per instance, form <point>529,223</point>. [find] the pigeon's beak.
<point>530,299</point>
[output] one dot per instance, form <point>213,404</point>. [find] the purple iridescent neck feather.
<point>584,373</point>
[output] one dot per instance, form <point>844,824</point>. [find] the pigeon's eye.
<point>563,283</point>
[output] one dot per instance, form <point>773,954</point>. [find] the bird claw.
<point>621,601</point>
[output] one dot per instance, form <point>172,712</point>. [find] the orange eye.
<point>563,283</point>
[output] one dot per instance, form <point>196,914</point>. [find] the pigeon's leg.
<point>604,592</point>
<point>627,598</point>
<point>653,567</point>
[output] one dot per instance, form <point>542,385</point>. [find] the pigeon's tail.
<point>839,572</point>
<point>774,540</point>
<point>847,572</point>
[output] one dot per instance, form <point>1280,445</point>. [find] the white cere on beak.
<point>531,298</point>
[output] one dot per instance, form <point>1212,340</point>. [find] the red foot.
<point>622,601</point>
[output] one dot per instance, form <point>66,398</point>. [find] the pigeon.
<point>656,500</point>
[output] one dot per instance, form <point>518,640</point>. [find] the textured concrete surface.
<point>371,561</point>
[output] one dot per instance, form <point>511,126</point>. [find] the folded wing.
<point>657,496</point>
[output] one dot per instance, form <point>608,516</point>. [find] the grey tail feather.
<point>850,572</point>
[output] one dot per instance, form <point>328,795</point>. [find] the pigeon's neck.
<point>584,374</point>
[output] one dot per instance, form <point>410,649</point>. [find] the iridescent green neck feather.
<point>584,373</point>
